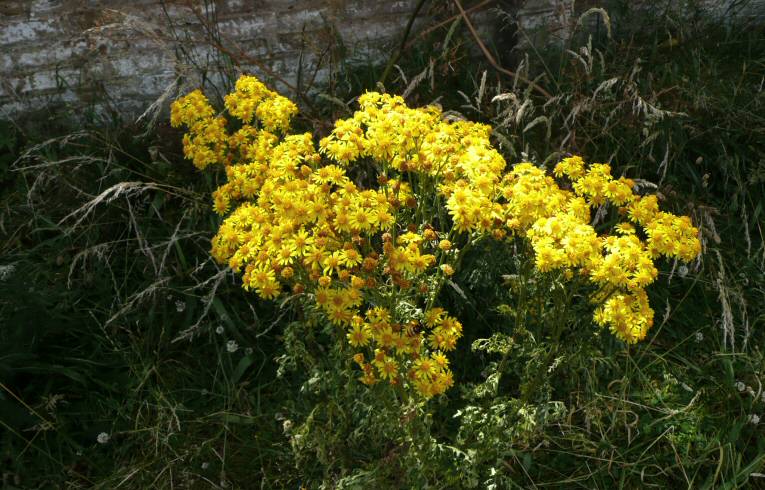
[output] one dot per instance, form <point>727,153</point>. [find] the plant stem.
<point>393,59</point>
<point>559,324</point>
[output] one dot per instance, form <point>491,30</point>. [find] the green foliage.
<point>110,307</point>
<point>110,310</point>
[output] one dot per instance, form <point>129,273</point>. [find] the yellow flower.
<point>571,167</point>
<point>359,336</point>
<point>350,257</point>
<point>276,112</point>
<point>388,368</point>
<point>269,290</point>
<point>190,109</point>
<point>331,263</point>
<point>424,368</point>
<point>339,316</point>
<point>433,317</point>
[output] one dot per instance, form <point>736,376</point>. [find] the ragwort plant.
<point>366,228</point>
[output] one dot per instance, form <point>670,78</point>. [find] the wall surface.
<point>72,55</point>
<point>79,54</point>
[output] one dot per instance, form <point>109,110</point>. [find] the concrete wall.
<point>124,54</point>
<point>74,54</point>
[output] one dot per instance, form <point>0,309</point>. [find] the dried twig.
<point>240,54</point>
<point>491,59</point>
<point>393,59</point>
<point>444,22</point>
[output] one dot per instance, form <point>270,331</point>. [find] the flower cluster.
<point>365,227</point>
<point>620,265</point>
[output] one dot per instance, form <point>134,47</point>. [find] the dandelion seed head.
<point>6,271</point>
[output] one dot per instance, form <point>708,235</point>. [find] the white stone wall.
<point>124,54</point>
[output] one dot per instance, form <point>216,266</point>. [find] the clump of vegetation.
<point>132,359</point>
<point>352,246</point>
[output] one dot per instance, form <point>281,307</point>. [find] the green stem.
<point>393,59</point>
<point>520,315</point>
<point>443,278</point>
<point>559,324</point>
